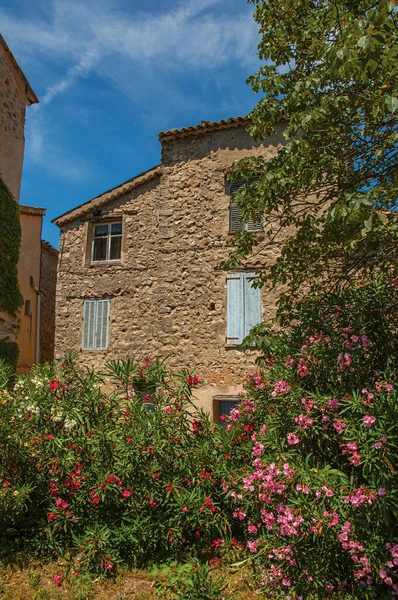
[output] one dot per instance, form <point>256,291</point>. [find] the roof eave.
<point>106,197</point>
<point>30,95</point>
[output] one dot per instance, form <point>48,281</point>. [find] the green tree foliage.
<point>331,69</point>
<point>10,295</point>
<point>10,241</point>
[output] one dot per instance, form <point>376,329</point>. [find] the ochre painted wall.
<point>29,266</point>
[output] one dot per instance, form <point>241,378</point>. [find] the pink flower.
<point>381,492</point>
<point>51,516</point>
<point>185,509</point>
<point>58,580</point>
<point>369,420</point>
<point>252,546</point>
<point>339,425</point>
<point>168,410</point>
<point>292,439</point>
<point>126,494</point>
<point>303,422</point>
<point>252,529</point>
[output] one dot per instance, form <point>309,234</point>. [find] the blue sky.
<point>111,74</point>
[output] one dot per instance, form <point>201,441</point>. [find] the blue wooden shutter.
<point>235,308</point>
<point>252,302</point>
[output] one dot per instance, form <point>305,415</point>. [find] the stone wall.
<point>168,295</point>
<point>48,283</point>
<point>13,101</point>
<point>130,284</point>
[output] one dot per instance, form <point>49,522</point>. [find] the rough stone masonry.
<point>167,295</point>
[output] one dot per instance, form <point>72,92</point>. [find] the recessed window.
<point>235,213</point>
<point>28,308</point>
<point>222,407</point>
<point>146,393</point>
<point>107,242</point>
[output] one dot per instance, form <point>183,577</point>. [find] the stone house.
<point>139,269</point>
<point>34,270</point>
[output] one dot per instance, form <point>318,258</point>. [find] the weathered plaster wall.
<point>29,266</point>
<point>48,284</point>
<point>13,102</point>
<point>168,295</point>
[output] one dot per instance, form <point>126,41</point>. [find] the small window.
<point>146,393</point>
<point>243,306</point>
<point>96,324</point>
<point>28,308</point>
<point>235,213</point>
<point>222,407</point>
<point>107,242</point>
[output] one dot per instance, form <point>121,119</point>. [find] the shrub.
<point>300,483</point>
<point>101,476</point>
<point>9,353</point>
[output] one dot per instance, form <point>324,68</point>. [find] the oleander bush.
<point>299,484</point>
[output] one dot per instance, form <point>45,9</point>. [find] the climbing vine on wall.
<point>10,241</point>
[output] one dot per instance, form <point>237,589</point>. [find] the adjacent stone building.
<point>139,265</point>
<point>15,95</point>
<point>37,267</point>
<point>48,284</point>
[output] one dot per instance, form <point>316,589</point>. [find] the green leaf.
<point>363,42</point>
<point>392,103</point>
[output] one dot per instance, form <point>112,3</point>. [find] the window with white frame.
<point>235,213</point>
<point>222,407</point>
<point>96,324</point>
<point>107,242</point>
<point>243,306</point>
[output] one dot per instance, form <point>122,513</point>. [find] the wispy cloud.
<point>86,33</point>
<point>42,151</point>
<point>73,74</point>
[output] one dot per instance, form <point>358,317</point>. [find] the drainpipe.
<point>38,308</point>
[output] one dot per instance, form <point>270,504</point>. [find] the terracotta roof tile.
<point>33,211</point>
<point>207,126</point>
<point>203,127</point>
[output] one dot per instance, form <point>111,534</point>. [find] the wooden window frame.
<point>109,236</point>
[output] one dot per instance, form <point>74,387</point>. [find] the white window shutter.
<point>235,308</point>
<point>102,324</point>
<point>95,324</point>
<point>89,319</point>
<point>252,299</point>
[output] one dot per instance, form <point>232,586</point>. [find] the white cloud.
<point>73,74</point>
